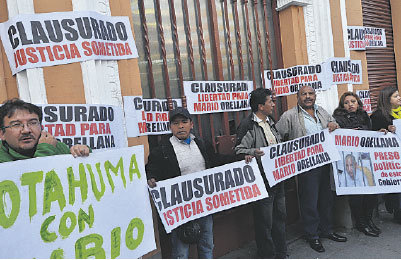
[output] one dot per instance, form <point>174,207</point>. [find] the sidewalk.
<point>358,245</point>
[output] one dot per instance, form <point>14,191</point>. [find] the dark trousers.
<point>269,220</point>
<point>362,207</point>
<point>393,200</point>
<point>316,201</point>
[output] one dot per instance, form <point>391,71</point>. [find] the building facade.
<point>180,40</point>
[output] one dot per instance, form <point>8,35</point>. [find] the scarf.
<point>396,113</point>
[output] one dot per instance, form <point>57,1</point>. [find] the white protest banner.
<point>362,38</point>
<point>343,71</point>
<point>375,37</point>
<point>147,116</point>
<point>98,126</point>
<point>217,96</point>
<point>356,37</point>
<point>288,159</point>
<point>364,96</point>
<point>288,81</point>
<point>191,196</point>
<point>65,207</point>
<point>48,39</point>
<point>370,162</point>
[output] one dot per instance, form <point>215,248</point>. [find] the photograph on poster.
<point>355,170</point>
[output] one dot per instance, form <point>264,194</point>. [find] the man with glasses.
<point>22,136</point>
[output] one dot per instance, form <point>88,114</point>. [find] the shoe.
<point>316,245</point>
<point>368,231</point>
<point>335,237</point>
<point>373,226</point>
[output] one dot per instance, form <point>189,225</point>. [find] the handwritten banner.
<point>147,116</point>
<point>65,207</point>
<point>48,39</point>
<point>191,196</point>
<point>364,95</point>
<point>370,162</point>
<point>98,126</point>
<point>344,71</point>
<point>288,81</point>
<point>217,96</point>
<point>288,159</point>
<point>362,38</point>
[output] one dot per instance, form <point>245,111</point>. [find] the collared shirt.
<point>271,139</point>
<point>311,125</point>
<point>189,157</point>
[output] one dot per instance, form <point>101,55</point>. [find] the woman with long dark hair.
<point>388,109</point>
<point>350,114</point>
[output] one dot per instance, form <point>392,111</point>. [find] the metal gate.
<point>381,62</point>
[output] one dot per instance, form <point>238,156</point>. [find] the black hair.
<point>347,94</point>
<point>383,103</point>
<point>10,106</point>
<point>258,97</point>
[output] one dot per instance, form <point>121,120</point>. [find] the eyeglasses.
<point>18,126</point>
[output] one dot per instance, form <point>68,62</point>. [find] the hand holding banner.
<point>191,196</point>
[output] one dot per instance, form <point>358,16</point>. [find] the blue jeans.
<point>269,221</point>
<point>205,244</point>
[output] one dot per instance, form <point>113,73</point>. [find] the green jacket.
<point>7,154</point>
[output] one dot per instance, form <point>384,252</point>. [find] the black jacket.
<point>379,121</point>
<point>162,161</point>
<point>352,120</point>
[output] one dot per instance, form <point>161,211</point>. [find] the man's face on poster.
<point>350,167</point>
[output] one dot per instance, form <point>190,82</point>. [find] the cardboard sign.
<point>288,81</point>
<point>362,38</point>
<point>147,116</point>
<point>65,207</point>
<point>48,39</point>
<point>370,162</point>
<point>217,96</point>
<point>364,96</point>
<point>191,196</point>
<point>98,126</point>
<point>288,159</point>
<point>343,71</point>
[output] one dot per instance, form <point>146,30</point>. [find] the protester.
<point>350,114</point>
<point>315,195</point>
<point>22,136</point>
<point>388,109</point>
<point>180,154</point>
<point>255,131</point>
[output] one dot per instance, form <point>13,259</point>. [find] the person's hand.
<point>47,138</point>
<point>332,126</point>
<point>392,128</point>
<point>383,130</point>
<point>259,152</point>
<point>248,158</point>
<point>79,150</point>
<point>152,182</point>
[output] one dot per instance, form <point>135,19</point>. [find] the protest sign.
<point>370,162</point>
<point>288,159</point>
<point>191,196</point>
<point>397,124</point>
<point>147,116</point>
<point>364,96</point>
<point>362,38</point>
<point>217,96</point>
<point>98,126</point>
<point>65,207</point>
<point>343,71</point>
<point>356,37</point>
<point>288,81</point>
<point>48,39</point>
<point>375,37</point>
